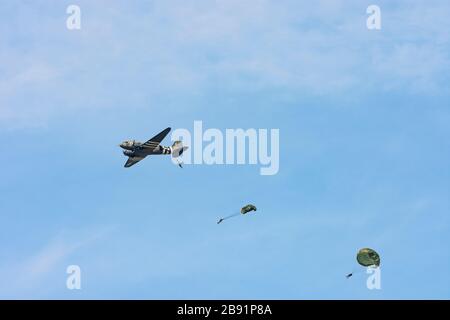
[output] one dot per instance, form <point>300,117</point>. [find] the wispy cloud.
<point>27,275</point>
<point>318,48</point>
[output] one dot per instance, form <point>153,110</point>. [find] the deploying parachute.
<point>177,151</point>
<point>244,210</point>
<point>367,258</point>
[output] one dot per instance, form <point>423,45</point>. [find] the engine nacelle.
<point>128,153</point>
<point>128,144</point>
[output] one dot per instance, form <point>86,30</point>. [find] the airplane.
<point>136,151</point>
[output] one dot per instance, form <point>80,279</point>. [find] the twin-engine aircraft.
<point>136,151</point>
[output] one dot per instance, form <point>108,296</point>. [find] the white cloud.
<point>420,64</point>
<point>188,47</point>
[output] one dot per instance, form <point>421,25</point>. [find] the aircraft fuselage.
<point>136,149</point>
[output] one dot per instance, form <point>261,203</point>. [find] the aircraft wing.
<point>132,161</point>
<point>156,140</point>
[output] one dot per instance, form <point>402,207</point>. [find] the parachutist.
<point>367,257</point>
<point>244,210</point>
<point>180,163</point>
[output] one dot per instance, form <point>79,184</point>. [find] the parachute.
<point>367,257</point>
<point>244,210</point>
<point>248,208</point>
<point>177,151</point>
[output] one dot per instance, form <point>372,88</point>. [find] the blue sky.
<point>364,124</point>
